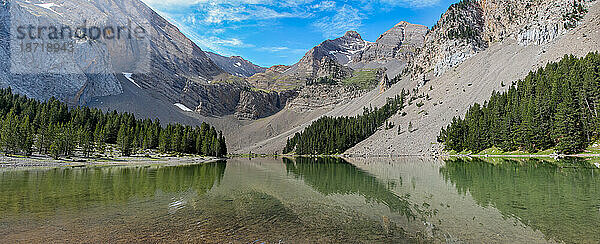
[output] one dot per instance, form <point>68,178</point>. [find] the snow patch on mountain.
<point>128,76</point>
<point>183,107</point>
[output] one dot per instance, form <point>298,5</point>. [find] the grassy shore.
<point>8,162</point>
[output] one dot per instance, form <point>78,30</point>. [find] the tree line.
<point>28,126</point>
<point>330,136</point>
<point>554,107</point>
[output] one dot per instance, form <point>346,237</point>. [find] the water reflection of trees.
<point>563,202</point>
<point>43,191</point>
<point>336,176</point>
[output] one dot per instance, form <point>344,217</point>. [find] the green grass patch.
<point>594,148</point>
<point>491,151</point>
<point>228,79</point>
<point>254,89</point>
<point>364,79</point>
<point>546,152</point>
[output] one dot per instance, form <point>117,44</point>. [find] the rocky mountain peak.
<point>353,34</point>
<point>278,68</point>
<point>339,50</point>
<point>236,65</point>
<point>393,49</point>
<point>403,23</point>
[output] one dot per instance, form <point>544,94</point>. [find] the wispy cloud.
<point>281,50</point>
<point>410,3</point>
<point>347,18</point>
<point>216,14</point>
<point>324,6</point>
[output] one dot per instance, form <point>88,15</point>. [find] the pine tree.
<point>86,142</point>
<point>163,145</point>
<point>59,130</point>
<point>222,145</point>
<point>123,142</point>
<point>9,142</point>
<point>568,128</point>
<point>554,107</point>
<point>25,137</point>
<point>55,150</point>
<point>99,139</point>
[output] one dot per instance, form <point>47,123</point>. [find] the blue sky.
<point>270,32</point>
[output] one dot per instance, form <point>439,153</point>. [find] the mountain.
<point>329,58</point>
<point>393,49</point>
<point>159,74</point>
<point>163,60</point>
<point>236,65</point>
<point>505,41</point>
<point>341,58</point>
<point>477,47</point>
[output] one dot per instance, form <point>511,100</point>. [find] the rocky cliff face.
<point>273,79</point>
<point>243,102</point>
<point>393,49</point>
<point>314,97</point>
<point>531,22</point>
<point>258,104</point>
<point>236,65</point>
<point>456,37</point>
<point>471,26</point>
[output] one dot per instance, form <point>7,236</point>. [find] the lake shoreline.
<point>428,155</point>
<point>37,161</point>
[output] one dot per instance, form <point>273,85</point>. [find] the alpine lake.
<point>307,200</point>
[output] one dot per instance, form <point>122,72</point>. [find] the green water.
<point>306,200</point>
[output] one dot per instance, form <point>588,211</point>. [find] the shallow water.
<point>306,201</point>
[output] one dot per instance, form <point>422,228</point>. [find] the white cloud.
<point>216,14</point>
<point>324,6</point>
<point>410,3</point>
<point>281,50</point>
<point>347,18</point>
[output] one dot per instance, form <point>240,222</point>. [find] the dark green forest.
<point>555,107</point>
<point>28,126</point>
<point>329,136</point>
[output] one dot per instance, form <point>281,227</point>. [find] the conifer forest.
<point>28,126</point>
<point>331,136</point>
<point>555,107</point>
